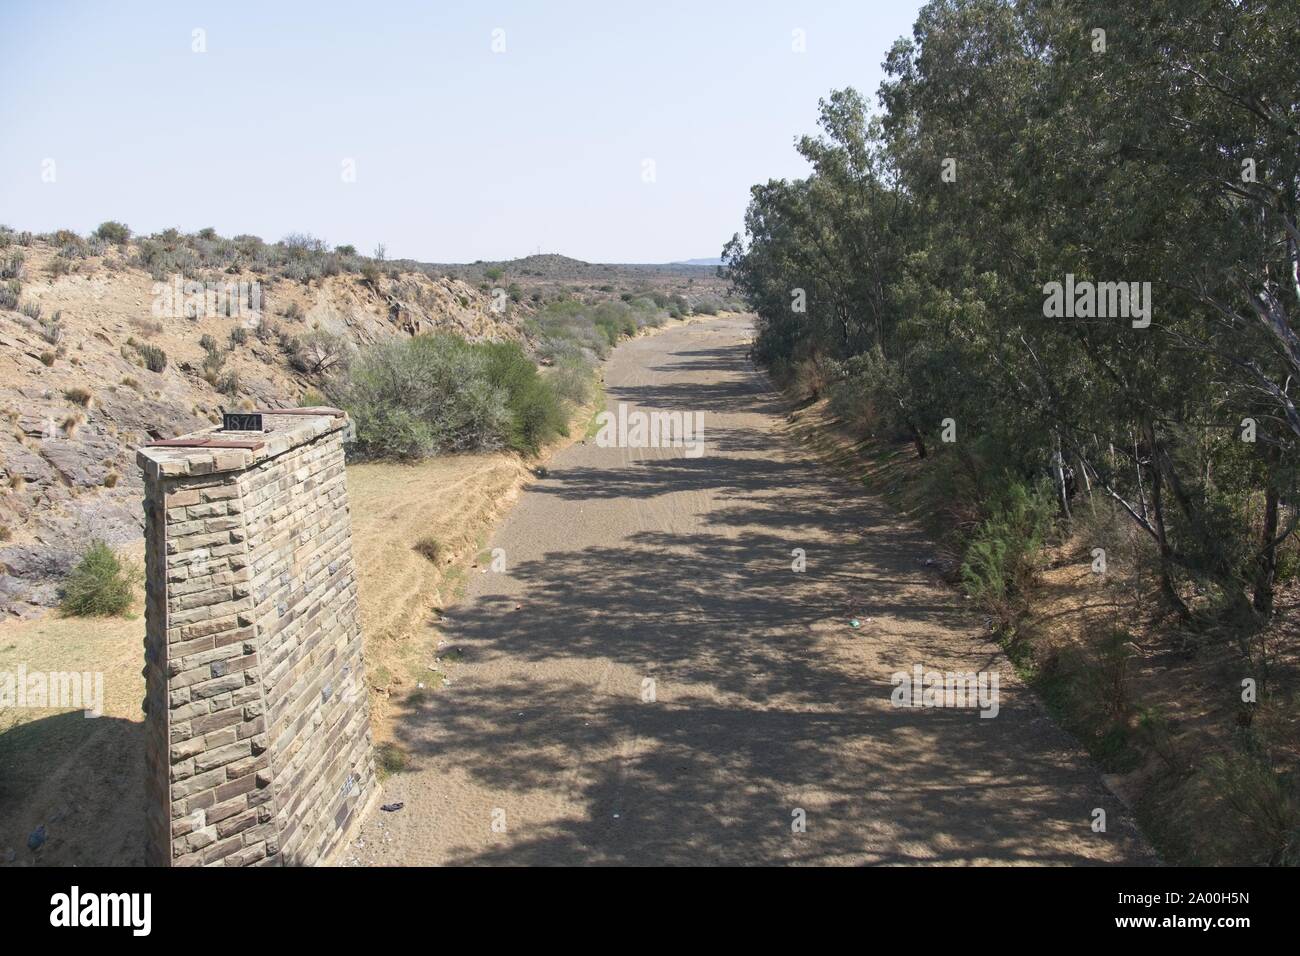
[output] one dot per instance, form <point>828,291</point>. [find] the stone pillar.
<point>257,721</point>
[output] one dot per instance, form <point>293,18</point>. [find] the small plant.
<point>32,310</point>
<point>389,759</point>
<point>1263,801</point>
<point>370,274</point>
<point>9,293</point>
<point>294,312</point>
<point>47,359</point>
<point>78,396</point>
<point>238,335</point>
<point>52,329</point>
<point>1000,560</point>
<point>111,479</point>
<point>101,584</point>
<point>155,359</point>
<point>130,382</point>
<point>429,547</point>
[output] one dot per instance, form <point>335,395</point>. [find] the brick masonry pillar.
<point>257,724</point>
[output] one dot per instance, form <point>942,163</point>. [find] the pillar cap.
<point>212,450</point>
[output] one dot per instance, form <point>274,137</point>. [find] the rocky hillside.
<point>97,355</point>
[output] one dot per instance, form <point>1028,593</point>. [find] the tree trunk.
<point>1158,517</point>
<point>1062,492</point>
<point>1267,569</point>
<point>917,439</point>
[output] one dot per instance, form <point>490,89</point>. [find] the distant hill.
<point>715,261</point>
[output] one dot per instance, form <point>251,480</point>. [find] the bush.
<point>429,547</point>
<point>78,395</point>
<point>868,395</point>
<point>115,232</point>
<point>573,379</point>
<point>318,352</point>
<point>1263,802</point>
<point>100,584</point>
<point>52,329</point>
<point>1000,558</point>
<point>537,416</point>
<point>429,395</point>
<point>155,359</point>
<point>436,394</point>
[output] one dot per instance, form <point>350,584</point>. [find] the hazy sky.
<point>459,152</point>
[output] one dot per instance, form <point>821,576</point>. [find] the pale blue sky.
<point>460,153</point>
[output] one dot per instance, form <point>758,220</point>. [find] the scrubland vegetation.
<point>905,279</point>
<point>438,394</point>
<point>101,584</point>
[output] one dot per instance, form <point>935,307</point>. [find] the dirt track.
<point>643,563</point>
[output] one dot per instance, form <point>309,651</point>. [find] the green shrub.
<point>869,394</point>
<point>437,394</point>
<point>537,415</point>
<point>573,379</point>
<point>413,398</point>
<point>115,232</point>
<point>1001,554</point>
<point>100,584</point>
<point>1263,801</point>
